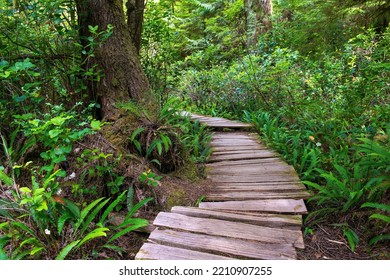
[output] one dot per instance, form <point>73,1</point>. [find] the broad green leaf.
<point>384,207</point>
<point>98,232</point>
<point>138,206</point>
<point>353,238</point>
<point>136,132</point>
<point>23,227</point>
<point>6,179</point>
<point>61,221</point>
<point>42,206</point>
<point>137,224</point>
<point>93,214</point>
<point>111,207</point>
<point>58,121</point>
<point>25,190</point>
<point>65,251</point>
<point>36,250</point>
<point>96,125</point>
<point>379,238</point>
<point>381,217</point>
<point>85,212</point>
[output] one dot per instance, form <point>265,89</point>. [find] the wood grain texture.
<point>268,220</point>
<point>242,178</point>
<point>218,245</point>
<point>238,230</point>
<point>253,195</point>
<point>296,206</point>
<point>151,251</point>
<point>254,155</point>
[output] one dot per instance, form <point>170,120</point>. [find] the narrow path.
<point>254,210</point>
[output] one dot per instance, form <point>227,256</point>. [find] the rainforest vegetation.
<point>90,99</point>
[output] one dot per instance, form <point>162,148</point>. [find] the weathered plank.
<point>229,229</point>
<point>233,142</point>
<point>296,206</point>
<point>223,245</point>
<point>255,155</point>
<point>268,220</point>
<point>151,251</point>
<point>259,187</point>
<point>217,149</point>
<point>227,178</point>
<point>226,125</point>
<point>248,151</point>
<point>251,169</point>
<point>253,195</point>
<point>235,135</point>
<point>271,160</point>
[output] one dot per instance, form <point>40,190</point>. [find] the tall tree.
<point>135,18</point>
<point>123,78</point>
<point>258,14</point>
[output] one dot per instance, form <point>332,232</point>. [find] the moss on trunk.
<point>124,78</point>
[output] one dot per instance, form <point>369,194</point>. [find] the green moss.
<point>115,82</point>
<point>178,197</point>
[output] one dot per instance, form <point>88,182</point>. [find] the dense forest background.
<point>90,93</point>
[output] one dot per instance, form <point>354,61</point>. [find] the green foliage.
<point>57,220</point>
<point>196,137</point>
<point>166,137</point>
<point>150,178</point>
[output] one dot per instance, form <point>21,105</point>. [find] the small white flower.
<point>73,175</point>
<point>59,191</point>
<point>318,144</point>
<point>47,231</point>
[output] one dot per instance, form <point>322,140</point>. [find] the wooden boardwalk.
<point>254,210</point>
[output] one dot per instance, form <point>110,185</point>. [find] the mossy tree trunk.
<point>123,78</point>
<point>135,19</point>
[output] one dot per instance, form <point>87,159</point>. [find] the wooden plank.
<point>261,178</point>
<point>243,151</point>
<point>235,135</point>
<point>223,245</point>
<point>238,148</point>
<point>161,252</point>
<point>255,155</point>
<point>265,205</point>
<point>233,142</point>
<point>251,195</point>
<point>251,169</point>
<point>268,220</point>
<point>259,187</point>
<point>271,160</point>
<point>229,229</point>
<point>225,124</point>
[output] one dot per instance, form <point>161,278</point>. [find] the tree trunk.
<point>258,18</point>
<point>135,18</point>
<point>123,78</point>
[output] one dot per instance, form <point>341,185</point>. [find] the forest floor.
<point>328,243</point>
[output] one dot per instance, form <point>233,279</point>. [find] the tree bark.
<point>123,79</point>
<point>258,18</point>
<point>135,18</point>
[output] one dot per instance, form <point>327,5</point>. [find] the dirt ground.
<point>328,243</point>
